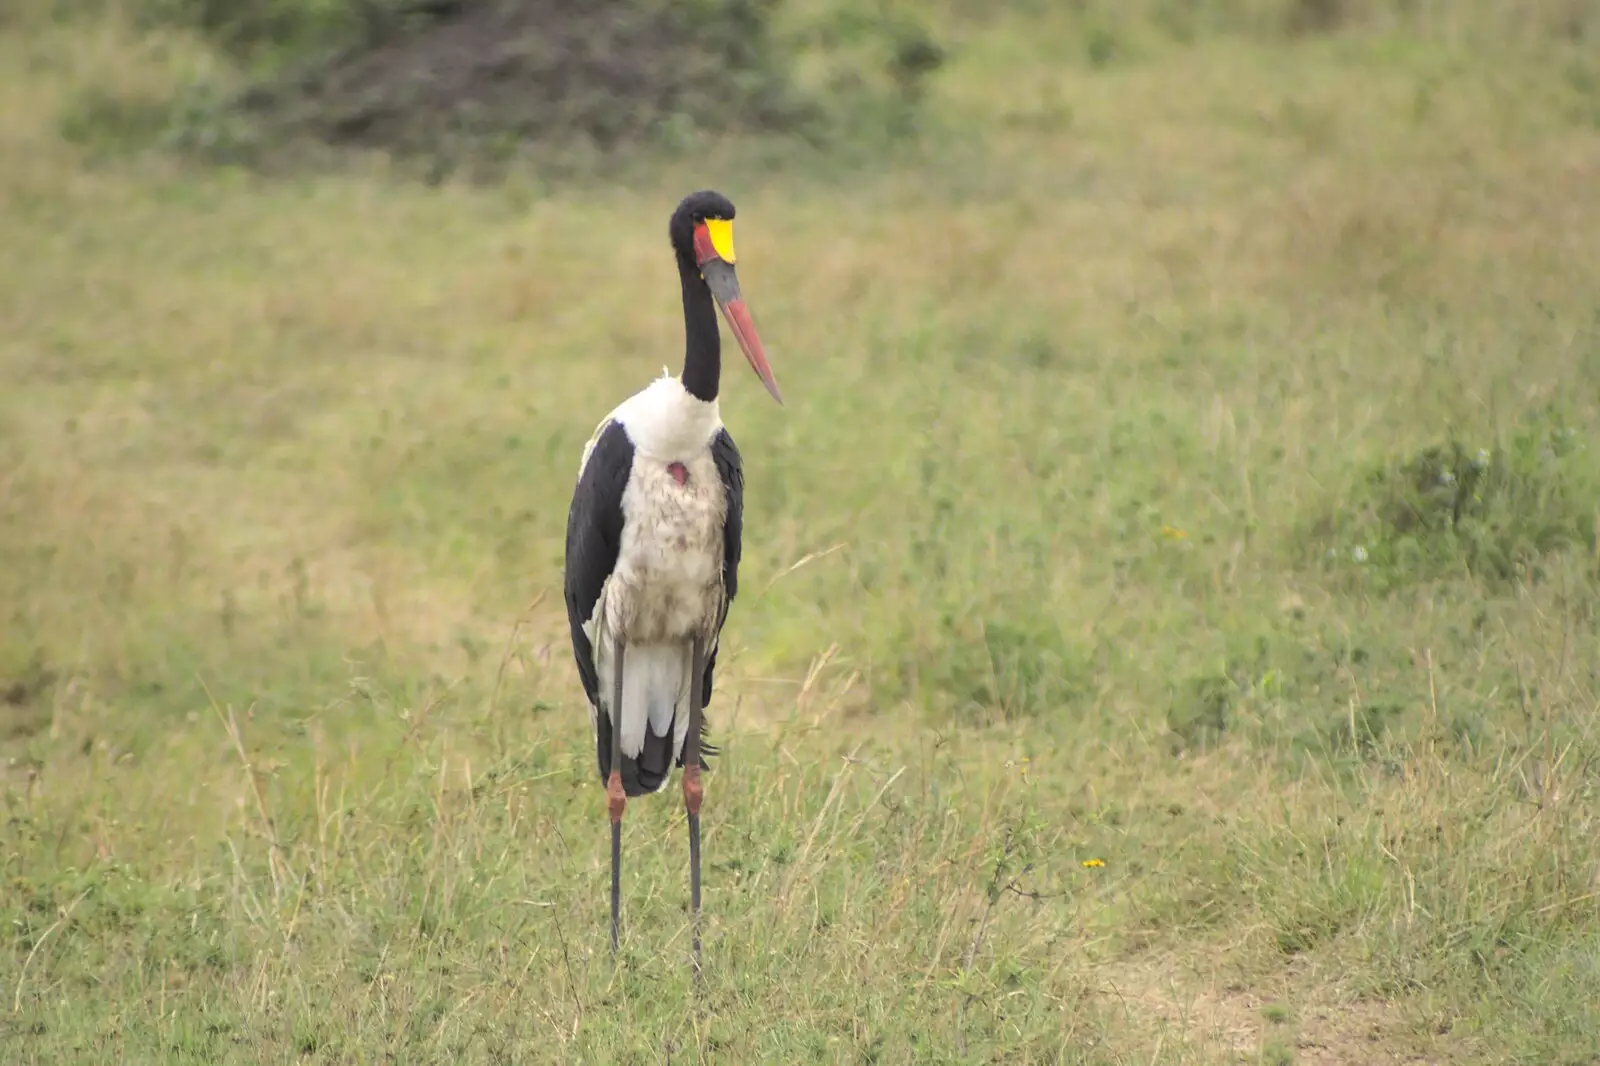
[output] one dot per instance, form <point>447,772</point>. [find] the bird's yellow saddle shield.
<point>714,236</point>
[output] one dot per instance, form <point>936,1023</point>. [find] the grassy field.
<point>1168,630</point>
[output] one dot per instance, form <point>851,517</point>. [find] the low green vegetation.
<point>1167,630</point>
<point>1497,514</point>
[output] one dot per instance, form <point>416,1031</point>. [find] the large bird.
<point>653,543</point>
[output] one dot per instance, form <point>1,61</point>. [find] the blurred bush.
<point>498,79</point>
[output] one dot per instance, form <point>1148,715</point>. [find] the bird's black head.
<point>693,210</point>
<point>702,235</point>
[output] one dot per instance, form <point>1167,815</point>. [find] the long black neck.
<point>702,354</point>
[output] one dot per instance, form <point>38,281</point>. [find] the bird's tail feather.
<point>655,690</point>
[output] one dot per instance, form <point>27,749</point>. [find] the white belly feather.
<point>667,585</point>
<point>666,590</point>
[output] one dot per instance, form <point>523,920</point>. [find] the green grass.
<point>1063,720</point>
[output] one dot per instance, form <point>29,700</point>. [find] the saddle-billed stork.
<point>653,543</point>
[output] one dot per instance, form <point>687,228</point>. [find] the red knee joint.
<point>693,791</point>
<point>616,799</point>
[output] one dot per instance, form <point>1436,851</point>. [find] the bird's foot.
<point>616,798</point>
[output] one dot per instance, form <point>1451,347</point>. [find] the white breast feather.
<point>667,585</point>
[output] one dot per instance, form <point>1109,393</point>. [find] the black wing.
<point>731,469</point>
<point>594,537</point>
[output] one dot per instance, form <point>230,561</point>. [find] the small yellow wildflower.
<point>1093,864</point>
<point>1173,533</point>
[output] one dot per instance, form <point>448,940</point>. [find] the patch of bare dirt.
<point>1222,1017</point>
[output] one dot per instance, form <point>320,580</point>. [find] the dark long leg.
<point>616,798</point>
<point>693,791</point>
